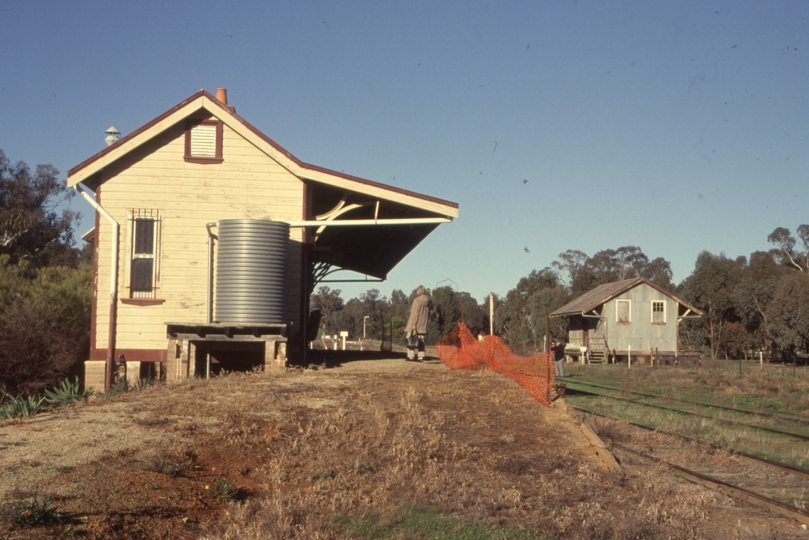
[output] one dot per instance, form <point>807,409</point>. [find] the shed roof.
<point>372,250</point>
<point>604,293</point>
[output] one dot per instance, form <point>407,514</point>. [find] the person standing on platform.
<point>417,324</point>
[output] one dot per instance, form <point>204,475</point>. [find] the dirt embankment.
<point>303,447</point>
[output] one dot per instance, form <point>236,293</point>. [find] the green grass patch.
<point>771,391</point>
<point>223,489</point>
<point>418,522</point>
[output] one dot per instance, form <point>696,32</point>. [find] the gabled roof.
<point>371,250</point>
<point>604,293</point>
<point>88,170</point>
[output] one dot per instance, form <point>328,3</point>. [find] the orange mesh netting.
<point>461,350</point>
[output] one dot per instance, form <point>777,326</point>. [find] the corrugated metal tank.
<point>251,268</point>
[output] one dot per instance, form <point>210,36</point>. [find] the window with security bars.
<point>145,226</point>
<point>623,311</point>
<point>658,312</point>
<point>203,142</point>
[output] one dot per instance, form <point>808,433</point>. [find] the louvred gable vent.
<point>203,141</point>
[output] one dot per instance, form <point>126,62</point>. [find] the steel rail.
<point>702,403</point>
<point>715,419</point>
<point>731,489</point>
<point>752,457</point>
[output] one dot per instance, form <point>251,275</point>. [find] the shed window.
<point>203,142</point>
<point>143,271</point>
<point>658,312</point>
<point>623,310</point>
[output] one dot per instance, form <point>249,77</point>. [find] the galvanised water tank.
<point>251,267</point>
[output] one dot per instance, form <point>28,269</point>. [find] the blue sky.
<point>673,126</point>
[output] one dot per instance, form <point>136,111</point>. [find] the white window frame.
<point>663,311</point>
<point>138,216</point>
<point>628,311</point>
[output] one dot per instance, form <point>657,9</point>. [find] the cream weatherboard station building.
<point>164,195</point>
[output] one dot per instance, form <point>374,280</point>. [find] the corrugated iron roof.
<point>604,293</point>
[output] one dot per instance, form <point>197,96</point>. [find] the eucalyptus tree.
<point>582,273</point>
<point>328,301</point>
<point>521,316</point>
<point>445,312</point>
<point>789,255</point>
<point>35,224</point>
<point>569,265</point>
<point>754,294</point>
<point>711,287</point>
<point>788,314</point>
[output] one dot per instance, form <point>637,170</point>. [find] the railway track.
<point>660,443</point>
<point>725,421</point>
<point>754,484</point>
<point>793,419</point>
<point>732,490</point>
<point>800,471</point>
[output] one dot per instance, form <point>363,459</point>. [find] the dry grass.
<point>312,451</point>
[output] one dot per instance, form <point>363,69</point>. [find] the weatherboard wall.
<point>641,334</point>
<point>247,184</point>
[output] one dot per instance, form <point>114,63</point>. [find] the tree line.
<point>750,304</point>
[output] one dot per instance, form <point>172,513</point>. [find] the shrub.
<point>140,384</point>
<point>223,489</point>
<point>67,393</point>
<point>20,407</point>
<point>30,513</point>
<point>44,326</point>
<point>120,387</point>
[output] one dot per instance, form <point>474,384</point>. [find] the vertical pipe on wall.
<point>211,237</point>
<point>110,361</point>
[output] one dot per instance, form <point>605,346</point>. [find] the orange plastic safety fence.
<point>461,350</point>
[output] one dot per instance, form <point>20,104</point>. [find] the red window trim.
<point>204,160</point>
<point>133,355</point>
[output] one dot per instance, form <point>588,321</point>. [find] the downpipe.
<point>110,361</point>
<point>211,238</point>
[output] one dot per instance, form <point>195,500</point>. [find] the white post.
<point>491,314</point>
<point>343,336</point>
<point>761,359</point>
<point>363,331</point>
<point>629,355</point>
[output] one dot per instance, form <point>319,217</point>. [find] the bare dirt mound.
<point>283,454</point>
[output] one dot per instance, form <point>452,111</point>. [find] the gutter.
<point>109,367</point>
<point>378,222</point>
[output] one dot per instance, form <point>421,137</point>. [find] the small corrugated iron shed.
<point>629,315</point>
